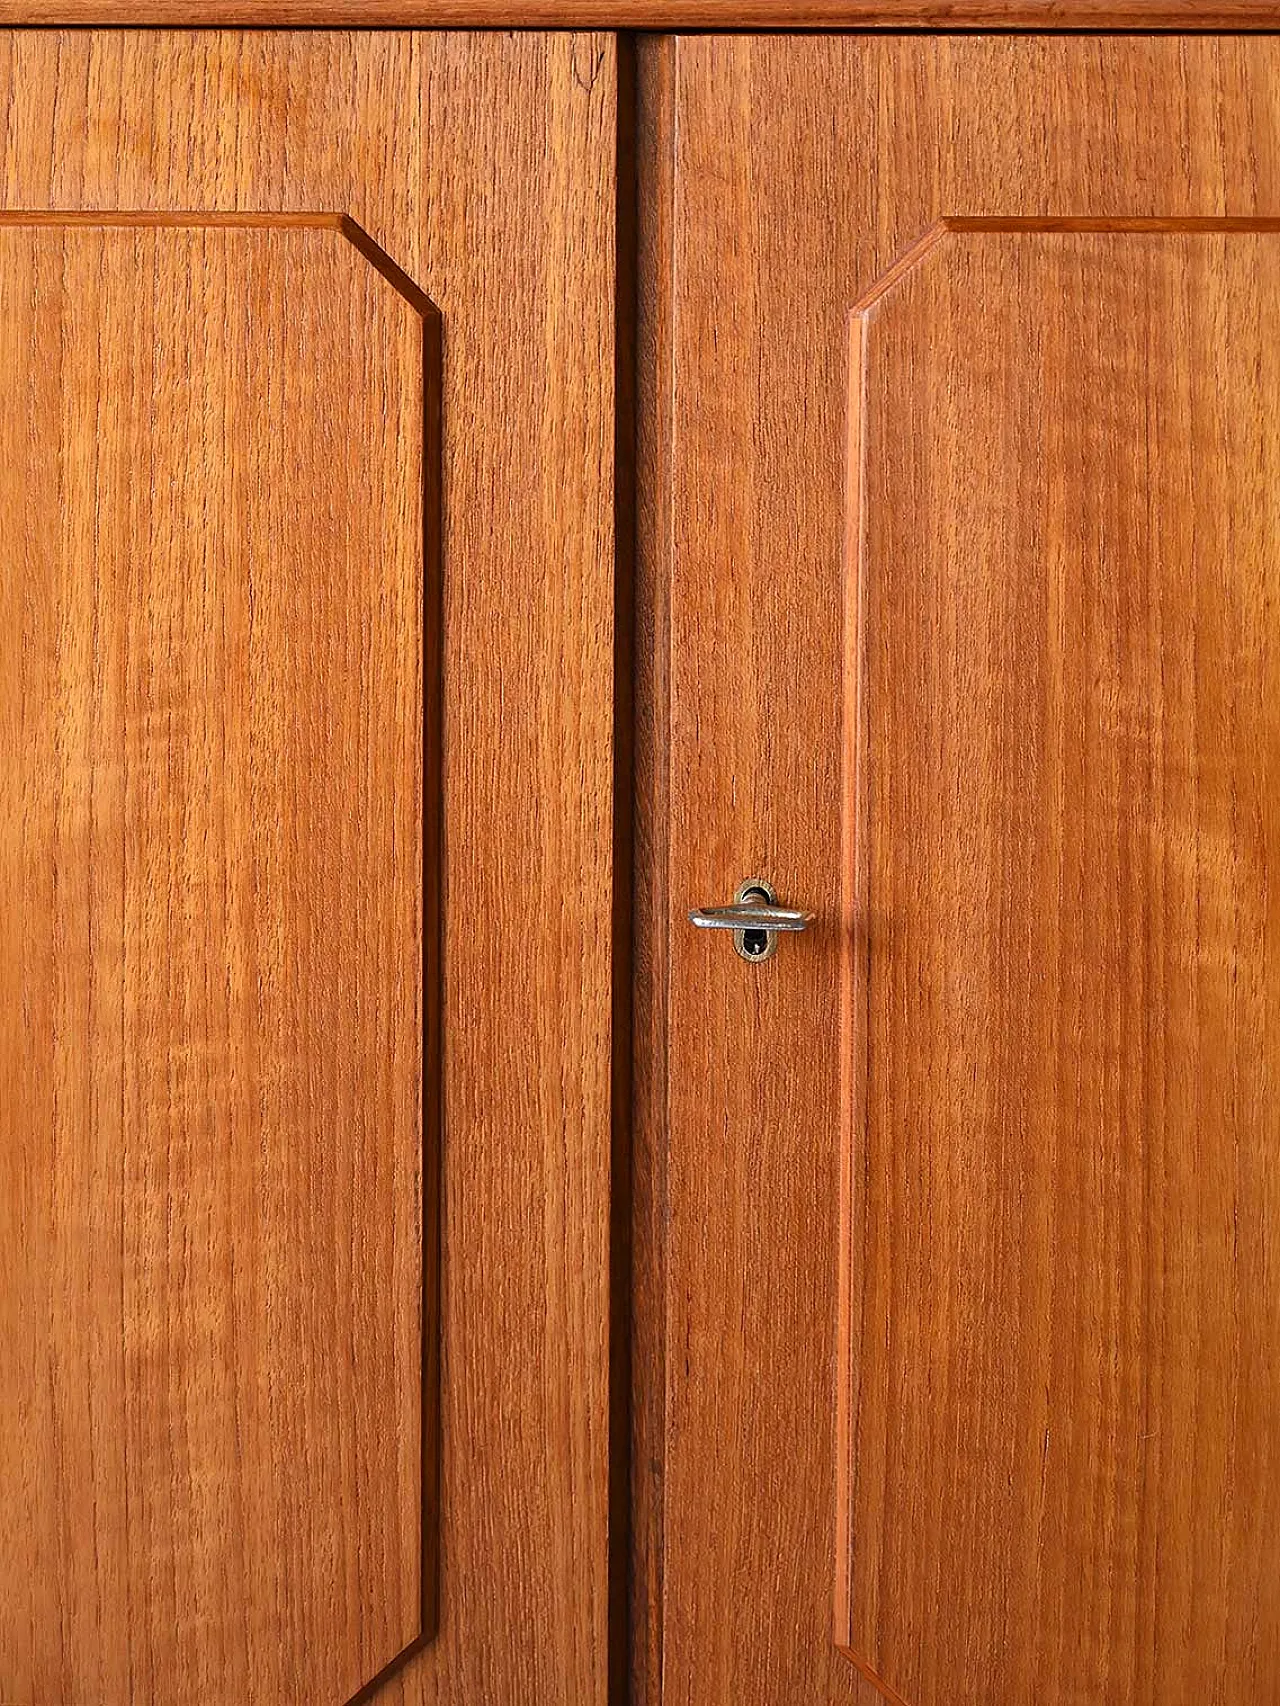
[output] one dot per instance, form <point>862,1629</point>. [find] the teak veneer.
<point>448,531</point>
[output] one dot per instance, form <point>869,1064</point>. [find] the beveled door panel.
<point>220,1110</point>
<point>1034,1456</point>
<point>1059,1349</point>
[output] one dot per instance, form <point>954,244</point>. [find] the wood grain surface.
<point>780,226</point>
<point>212,1066</point>
<point>1060,1343</point>
<point>735,15</point>
<point>484,167</point>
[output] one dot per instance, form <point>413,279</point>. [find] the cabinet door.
<point>973,1190</point>
<point>305,687</point>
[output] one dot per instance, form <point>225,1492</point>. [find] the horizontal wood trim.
<point>1189,15</point>
<point>916,251</point>
<point>355,234</point>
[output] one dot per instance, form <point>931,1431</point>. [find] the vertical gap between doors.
<point>646,205</point>
<point>622,1370</point>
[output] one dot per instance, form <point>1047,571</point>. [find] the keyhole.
<point>755,945</point>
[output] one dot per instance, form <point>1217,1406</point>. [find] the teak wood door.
<point>968,1244</point>
<point>306,685</point>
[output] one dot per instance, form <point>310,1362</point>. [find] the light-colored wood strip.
<point>736,15</point>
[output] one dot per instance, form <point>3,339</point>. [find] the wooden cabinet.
<point>467,499</point>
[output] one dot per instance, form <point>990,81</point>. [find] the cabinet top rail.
<point>659,14</point>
